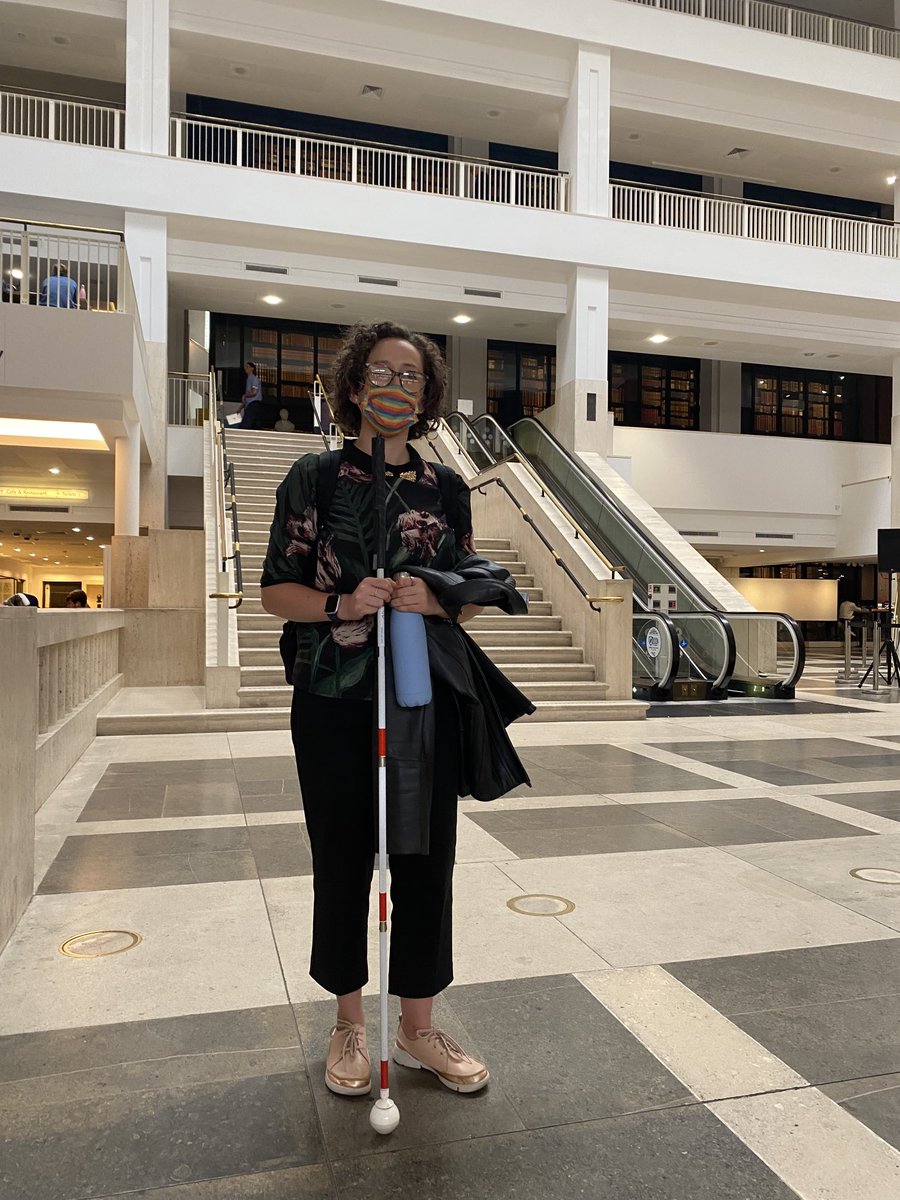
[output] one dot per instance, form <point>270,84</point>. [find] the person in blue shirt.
<point>250,406</point>
<point>58,290</point>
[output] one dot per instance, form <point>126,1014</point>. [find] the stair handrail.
<point>334,439</point>
<point>520,460</point>
<point>222,477</point>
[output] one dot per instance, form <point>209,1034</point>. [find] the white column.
<point>584,132</point>
<point>579,417</point>
<point>895,447</point>
<point>145,248</point>
<point>128,481</point>
<point>147,76</point>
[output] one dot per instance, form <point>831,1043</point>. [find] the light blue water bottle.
<point>409,655</point>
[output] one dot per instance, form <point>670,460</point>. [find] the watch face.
<point>331,605</point>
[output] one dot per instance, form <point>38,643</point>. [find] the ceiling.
<point>41,545</point>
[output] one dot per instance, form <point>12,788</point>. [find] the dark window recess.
<point>288,356</point>
<point>523,156</point>
<point>842,205</point>
<point>654,391</point>
<point>521,380</point>
<point>655,177</point>
<point>792,402</point>
<point>316,124</point>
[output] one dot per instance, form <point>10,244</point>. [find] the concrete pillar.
<point>147,76</point>
<point>895,447</point>
<point>579,416</point>
<point>146,248</point>
<point>128,482</point>
<point>584,132</point>
<point>467,360</point>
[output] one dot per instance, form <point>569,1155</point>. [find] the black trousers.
<point>253,416</point>
<point>333,743</point>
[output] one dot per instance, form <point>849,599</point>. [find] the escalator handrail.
<point>796,637</point>
<point>689,586</point>
<point>675,657</point>
<point>548,492</point>
<point>727,672</point>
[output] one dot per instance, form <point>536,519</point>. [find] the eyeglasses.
<point>380,375</point>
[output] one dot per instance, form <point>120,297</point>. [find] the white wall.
<point>185,450</point>
<point>865,508</point>
<point>739,485</point>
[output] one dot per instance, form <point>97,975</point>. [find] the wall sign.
<point>12,492</point>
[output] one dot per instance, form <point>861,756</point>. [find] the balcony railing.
<point>57,267</point>
<point>750,219</point>
<point>791,22</point>
<point>188,398</point>
<point>62,119</point>
<point>289,153</point>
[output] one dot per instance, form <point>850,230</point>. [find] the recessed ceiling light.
<point>809,354</point>
<point>76,529</point>
<point>54,470</point>
<point>710,343</point>
<point>835,170</point>
<point>892,179</point>
<point>462,319</point>
<point>88,538</point>
<point>239,69</point>
<point>634,137</point>
<point>339,306</point>
<point>46,560</point>
<point>271,299</point>
<point>520,324</point>
<point>59,39</point>
<point>104,545</point>
<point>658,338</point>
<point>494,112</point>
<point>762,551</point>
<point>832,356</point>
<point>32,555</point>
<point>18,550</point>
<point>56,564</point>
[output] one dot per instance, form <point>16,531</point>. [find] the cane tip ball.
<point>385,1116</point>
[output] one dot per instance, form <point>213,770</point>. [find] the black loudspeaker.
<point>888,550</point>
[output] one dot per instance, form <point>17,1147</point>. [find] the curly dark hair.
<point>348,374</point>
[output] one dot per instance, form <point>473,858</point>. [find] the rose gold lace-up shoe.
<point>437,1052</point>
<point>348,1071</point>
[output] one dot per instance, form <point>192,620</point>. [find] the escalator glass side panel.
<point>770,654</point>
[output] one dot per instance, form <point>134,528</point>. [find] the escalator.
<point>693,650</point>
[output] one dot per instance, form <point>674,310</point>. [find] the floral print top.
<point>338,660</point>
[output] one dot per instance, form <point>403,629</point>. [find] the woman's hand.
<point>414,595</point>
<point>370,595</point>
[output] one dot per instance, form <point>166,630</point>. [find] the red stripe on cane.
<point>382,743</point>
<point>382,906</point>
<point>384,1073</point>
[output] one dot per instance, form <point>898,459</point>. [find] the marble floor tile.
<point>700,1046</point>
<point>186,1132</point>
<point>259,744</point>
<point>474,844</point>
<point>280,850</point>
<point>796,1135</point>
<point>291,1183</point>
<point>610,839</point>
<point>881,803</point>
<point>692,1155</point>
<point>875,1102</point>
<point>205,948</point>
<point>161,746</point>
<point>637,909</point>
<point>599,1068</point>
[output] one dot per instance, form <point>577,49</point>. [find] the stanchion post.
<point>876,655</point>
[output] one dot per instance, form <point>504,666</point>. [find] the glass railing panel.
<point>707,647</point>
<point>770,653</point>
<point>623,542</point>
<point>654,653</point>
<point>479,454</point>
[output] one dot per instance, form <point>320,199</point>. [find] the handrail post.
<point>51,120</point>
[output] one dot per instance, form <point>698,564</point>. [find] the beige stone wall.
<point>18,721</point>
<point>162,647</point>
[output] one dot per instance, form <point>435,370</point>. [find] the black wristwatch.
<point>332,604</point>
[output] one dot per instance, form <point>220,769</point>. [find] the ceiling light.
<point>32,555</point>
<point>892,179</point>
<point>88,538</point>
<point>16,273</point>
<point>658,338</point>
<point>372,89</point>
<point>76,529</point>
<point>54,470</point>
<point>809,354</point>
<point>339,306</point>
<point>59,39</point>
<point>18,550</point>
<point>462,319</point>
<point>710,343</point>
<point>762,551</point>
<point>271,299</point>
<point>60,435</point>
<point>46,560</point>
<point>238,69</point>
<point>104,545</point>
<point>834,170</point>
<point>494,112</point>
<point>56,564</point>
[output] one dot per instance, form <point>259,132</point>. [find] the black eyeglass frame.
<point>419,376</point>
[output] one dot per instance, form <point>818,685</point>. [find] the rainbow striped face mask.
<point>388,409</point>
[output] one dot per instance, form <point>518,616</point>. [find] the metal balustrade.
<point>62,119</point>
<point>800,23</point>
<point>750,219</point>
<point>56,267</point>
<point>188,398</point>
<point>285,152</point>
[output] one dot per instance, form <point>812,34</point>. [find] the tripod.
<point>882,647</point>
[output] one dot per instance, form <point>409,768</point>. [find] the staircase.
<point>534,651</point>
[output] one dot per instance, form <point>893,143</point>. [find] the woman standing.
<point>391,382</point>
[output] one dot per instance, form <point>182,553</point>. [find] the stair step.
<point>490,639</point>
<point>234,720</point>
<point>278,695</point>
<point>271,674</point>
<point>525,626</point>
